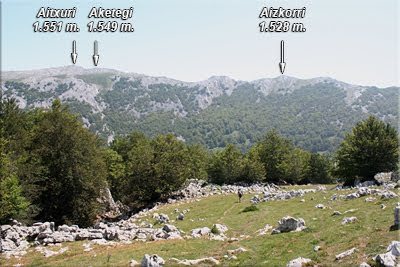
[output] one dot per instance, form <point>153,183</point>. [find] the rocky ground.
<point>154,224</point>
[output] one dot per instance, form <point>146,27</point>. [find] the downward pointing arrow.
<point>74,55</point>
<point>96,54</point>
<point>282,64</point>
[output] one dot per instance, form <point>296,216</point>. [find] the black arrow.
<point>282,64</point>
<point>96,54</point>
<point>74,55</point>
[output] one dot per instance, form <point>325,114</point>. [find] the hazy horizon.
<point>189,40</point>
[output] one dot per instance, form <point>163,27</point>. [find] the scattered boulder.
<point>163,218</point>
<point>320,206</point>
<point>152,261</point>
<point>363,191</point>
<point>370,199</point>
<point>364,264</point>
<point>336,213</point>
<point>198,232</point>
<point>367,183</point>
<point>389,258</point>
<point>385,259</point>
<point>388,195</point>
<point>180,217</point>
<point>352,196</point>
<point>289,224</point>
<point>350,210</point>
<point>236,251</point>
<point>345,254</point>
<point>394,248</point>
<point>298,262</point>
<point>196,262</point>
<point>317,248</point>
<point>383,177</point>
<point>133,263</point>
<point>347,220</point>
<point>49,253</point>
<point>264,230</point>
<point>87,247</point>
<point>255,200</point>
<point>169,228</point>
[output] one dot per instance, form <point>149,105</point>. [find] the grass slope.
<point>370,234</point>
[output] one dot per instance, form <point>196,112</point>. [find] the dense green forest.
<point>313,114</point>
<point>54,169</point>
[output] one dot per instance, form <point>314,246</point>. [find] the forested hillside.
<point>314,114</point>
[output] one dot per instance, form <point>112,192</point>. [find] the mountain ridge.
<point>211,112</point>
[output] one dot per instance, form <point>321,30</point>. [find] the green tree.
<point>370,148</point>
<point>153,168</point>
<point>253,169</point>
<point>199,159</point>
<point>274,149</point>
<point>137,183</point>
<point>226,166</point>
<point>69,168</point>
<point>294,165</point>
<point>171,164</point>
<point>115,172</point>
<point>317,170</point>
<point>12,202</point>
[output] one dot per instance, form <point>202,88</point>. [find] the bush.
<point>250,208</point>
<point>215,230</point>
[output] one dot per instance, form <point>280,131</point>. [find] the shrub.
<point>250,208</point>
<point>215,230</point>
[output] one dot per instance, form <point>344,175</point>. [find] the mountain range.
<point>315,114</point>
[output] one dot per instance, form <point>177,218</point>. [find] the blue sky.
<point>356,41</point>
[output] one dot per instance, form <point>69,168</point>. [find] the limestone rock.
<point>394,248</point>
<point>345,253</point>
<point>152,261</point>
<point>196,262</point>
<point>255,200</point>
<point>198,232</point>
<point>388,195</point>
<point>347,220</point>
<point>133,263</point>
<point>163,218</point>
<point>236,251</point>
<point>169,228</point>
<point>298,262</point>
<point>386,259</point>
<point>370,199</point>
<point>264,230</point>
<point>289,224</point>
<point>352,196</point>
<point>180,217</point>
